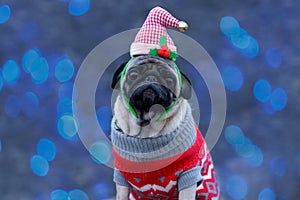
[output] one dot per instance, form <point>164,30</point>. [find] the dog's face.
<point>151,85</point>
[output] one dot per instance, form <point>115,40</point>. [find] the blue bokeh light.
<point>39,165</point>
<point>266,194</point>
<point>64,106</point>
<point>241,40</point>
<point>47,149</point>
<point>39,70</point>
<point>278,99</point>
<point>0,146</point>
<point>234,135</point>
<point>64,70</point>
<point>273,57</point>
<point>233,78</point>
<point>246,149</point>
<point>78,7</point>
<point>243,146</point>
<point>10,71</point>
<point>104,115</point>
<point>13,106</point>
<point>252,49</point>
<point>4,13</point>
<point>101,151</point>
<point>78,195</point>
<point>229,26</point>
<point>256,157</point>
<point>31,56</point>
<point>236,187</point>
<point>238,37</point>
<point>67,126</point>
<point>262,90</point>
<point>59,195</point>
<point>278,166</point>
<point>1,81</point>
<point>30,103</point>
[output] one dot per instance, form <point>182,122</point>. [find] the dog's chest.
<point>163,182</point>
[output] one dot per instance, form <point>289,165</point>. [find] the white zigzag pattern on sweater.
<point>155,187</point>
<point>207,176</point>
<point>131,197</point>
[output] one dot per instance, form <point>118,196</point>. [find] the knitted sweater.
<point>160,167</point>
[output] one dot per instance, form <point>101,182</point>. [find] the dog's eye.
<point>133,75</point>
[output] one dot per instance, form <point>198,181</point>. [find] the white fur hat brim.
<point>143,48</point>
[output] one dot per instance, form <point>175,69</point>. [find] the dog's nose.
<point>151,78</point>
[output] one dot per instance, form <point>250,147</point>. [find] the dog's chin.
<point>146,118</point>
<point>143,123</point>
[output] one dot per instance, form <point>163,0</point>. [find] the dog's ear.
<point>186,90</point>
<point>115,84</point>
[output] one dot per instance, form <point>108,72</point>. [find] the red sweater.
<point>194,166</point>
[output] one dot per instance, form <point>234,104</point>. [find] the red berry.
<point>163,52</point>
<point>166,54</point>
<point>160,52</point>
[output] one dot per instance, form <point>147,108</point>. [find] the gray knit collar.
<point>156,148</point>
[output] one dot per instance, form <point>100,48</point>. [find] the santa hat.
<point>153,39</point>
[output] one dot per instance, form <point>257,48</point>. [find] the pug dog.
<point>151,107</point>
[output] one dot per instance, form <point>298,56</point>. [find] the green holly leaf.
<point>163,40</point>
<point>153,52</point>
<point>173,55</point>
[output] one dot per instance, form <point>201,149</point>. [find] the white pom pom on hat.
<point>153,29</point>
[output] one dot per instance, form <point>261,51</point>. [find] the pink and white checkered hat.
<point>153,29</point>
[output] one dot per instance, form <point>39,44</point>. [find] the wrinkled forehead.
<point>155,60</point>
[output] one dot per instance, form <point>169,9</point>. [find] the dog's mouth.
<point>145,97</point>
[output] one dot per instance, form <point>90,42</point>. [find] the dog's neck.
<point>127,122</point>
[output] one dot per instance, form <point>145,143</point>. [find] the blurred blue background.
<point>255,44</point>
